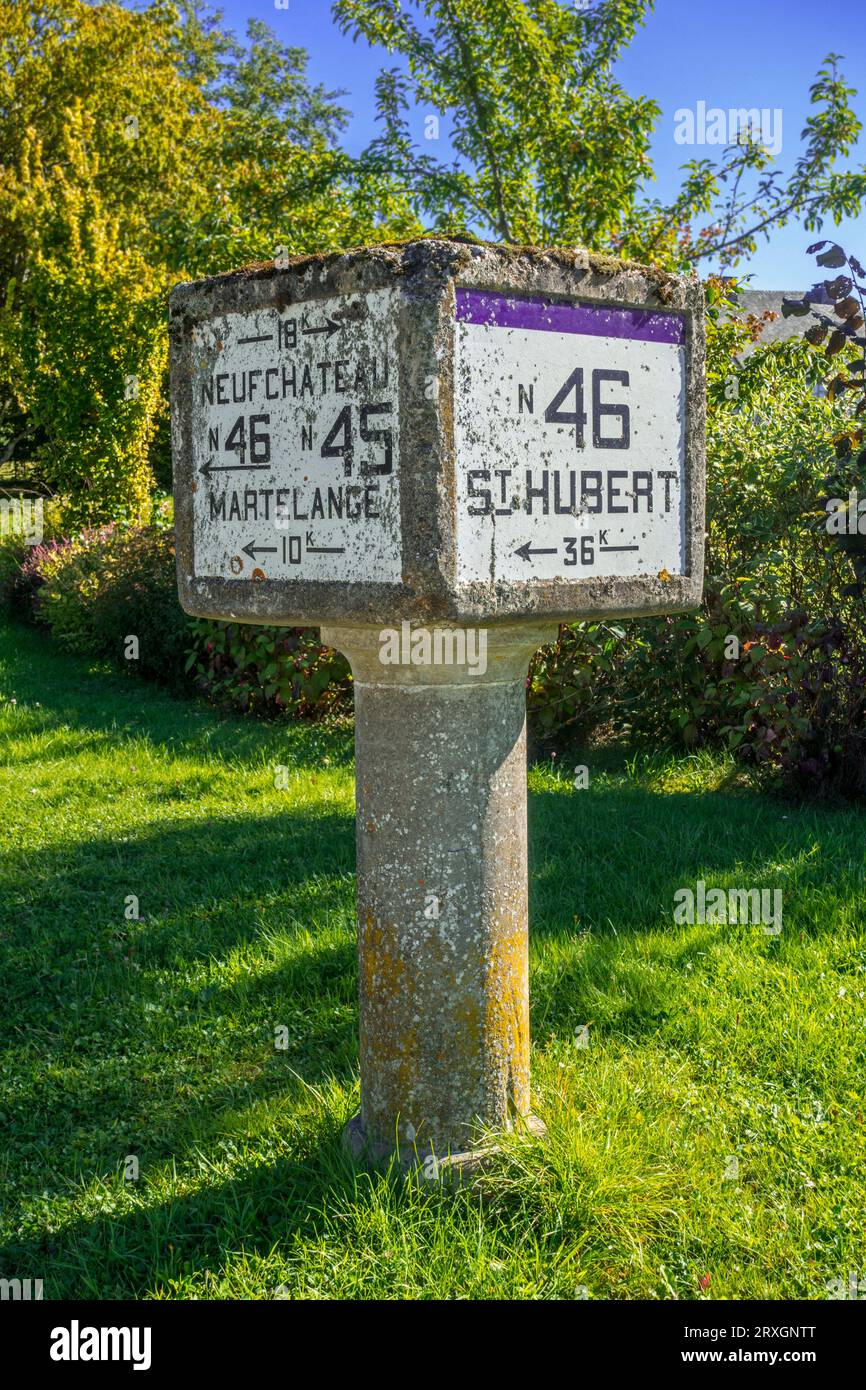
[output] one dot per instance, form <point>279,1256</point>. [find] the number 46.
<point>259,439</point>
<point>600,409</point>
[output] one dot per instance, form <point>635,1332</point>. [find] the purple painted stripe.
<point>553,316</point>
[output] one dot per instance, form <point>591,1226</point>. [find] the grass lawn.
<point>155,1038</point>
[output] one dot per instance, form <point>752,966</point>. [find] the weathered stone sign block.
<point>436,451</point>
<point>439,430</point>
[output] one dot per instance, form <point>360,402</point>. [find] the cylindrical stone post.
<point>442,885</point>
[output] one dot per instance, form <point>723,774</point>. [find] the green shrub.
<point>775,581</point>
<point>102,588</point>
<point>17,534</point>
<point>798,706</point>
<point>137,598</point>
<point>67,580</point>
<point>269,670</point>
<point>12,552</point>
<point>98,590</point>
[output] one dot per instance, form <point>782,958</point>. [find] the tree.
<point>269,175</point>
<point>742,199</point>
<point>82,338</point>
<point>550,149</point>
<point>139,148</point>
<point>59,58</point>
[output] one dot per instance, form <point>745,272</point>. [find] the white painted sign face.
<point>569,439</point>
<point>295,438</point>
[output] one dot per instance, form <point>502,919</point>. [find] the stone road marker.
<point>438,451</point>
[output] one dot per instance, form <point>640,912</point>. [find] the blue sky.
<point>751,53</point>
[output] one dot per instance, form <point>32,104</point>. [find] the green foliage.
<point>82,338</point>
<point>770,447</point>
<point>843,342</point>
<point>102,587</point>
<point>106,586</point>
<point>139,148</point>
<point>156,1037</point>
<point>115,64</point>
<point>81,284</point>
<point>11,555</point>
<point>268,670</point>
<point>533,111</point>
<point>777,592</point>
<point>527,94</point>
<point>724,210</point>
<point>69,578</point>
<point>528,97</point>
<point>268,176</point>
<point>798,705</point>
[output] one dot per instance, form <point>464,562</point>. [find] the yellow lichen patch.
<point>507,1009</point>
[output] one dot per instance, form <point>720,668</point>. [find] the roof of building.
<point>776,330</point>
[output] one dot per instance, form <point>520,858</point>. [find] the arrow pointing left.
<point>254,550</point>
<point>526,552</point>
<point>211,467</point>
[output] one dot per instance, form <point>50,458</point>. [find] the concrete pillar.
<point>442,886</point>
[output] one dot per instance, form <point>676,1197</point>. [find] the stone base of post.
<point>440,750</point>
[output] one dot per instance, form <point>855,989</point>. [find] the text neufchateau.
<point>255,384</point>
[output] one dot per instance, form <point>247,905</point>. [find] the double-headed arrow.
<point>253,550</point>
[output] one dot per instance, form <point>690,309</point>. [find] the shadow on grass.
<point>122,1040</point>
<point>108,706</point>
<point>131,1254</point>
